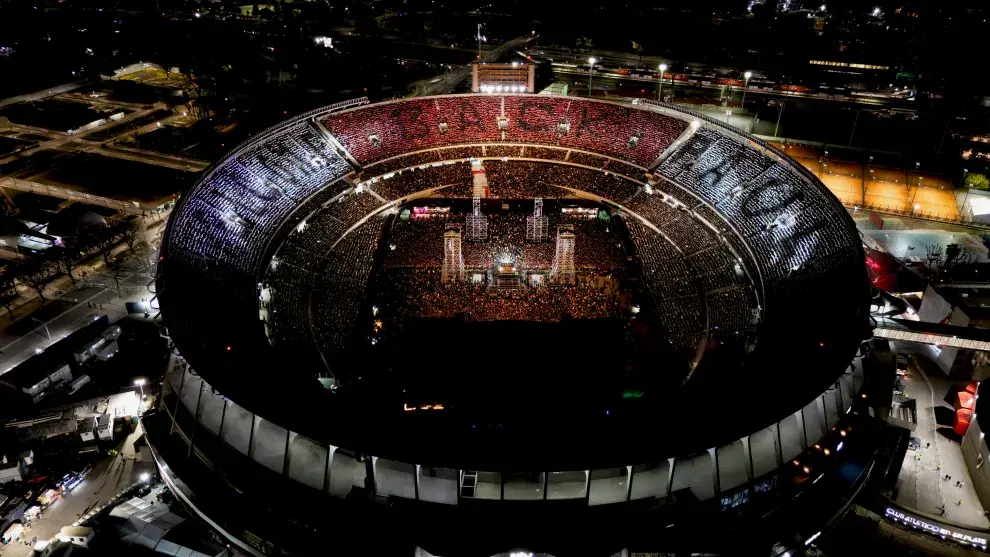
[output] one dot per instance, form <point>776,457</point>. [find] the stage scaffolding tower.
<point>536,224</point>
<point>453,258</point>
<point>477,224</point>
<point>563,260</point>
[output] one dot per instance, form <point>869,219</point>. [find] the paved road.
<point>106,480</point>
<point>921,479</point>
<point>19,345</point>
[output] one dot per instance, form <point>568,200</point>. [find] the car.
<point>901,362</point>
<point>914,443</point>
<point>912,260</point>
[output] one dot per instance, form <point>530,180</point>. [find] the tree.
<point>130,232</point>
<point>976,181</point>
<point>66,259</point>
<point>105,239</point>
<point>37,272</point>
<point>116,268</point>
<point>8,287</point>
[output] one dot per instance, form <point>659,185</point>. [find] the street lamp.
<point>747,75</point>
<point>591,69</point>
<point>140,385</point>
<point>780,112</point>
<point>663,69</point>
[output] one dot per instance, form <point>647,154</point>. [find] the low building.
<point>11,469</point>
<point>152,529</point>
<point>42,373</point>
<point>37,376</point>
<point>104,427</point>
<point>79,383</point>
<point>100,346</point>
<point>87,429</point>
<point>76,535</point>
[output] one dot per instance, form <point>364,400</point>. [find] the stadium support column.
<point>629,470</point>
<point>804,429</point>
<point>713,454</point>
<point>777,447</point>
<point>327,469</point>
<point>531,79</point>
<point>749,459</point>
<point>196,417</point>
<point>416,482</point>
<point>671,462</point>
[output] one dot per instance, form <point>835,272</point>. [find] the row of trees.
<point>38,271</point>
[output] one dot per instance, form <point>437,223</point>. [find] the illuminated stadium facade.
<point>331,339</point>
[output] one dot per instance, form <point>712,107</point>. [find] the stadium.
<point>477,302</point>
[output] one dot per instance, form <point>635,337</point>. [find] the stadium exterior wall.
<point>335,470</point>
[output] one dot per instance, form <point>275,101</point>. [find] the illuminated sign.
<point>408,408</point>
<point>934,528</point>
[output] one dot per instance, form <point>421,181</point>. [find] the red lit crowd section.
<point>375,132</point>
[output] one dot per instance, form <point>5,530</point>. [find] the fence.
<point>886,210</point>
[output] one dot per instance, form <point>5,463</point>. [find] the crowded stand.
<point>283,196</point>
<point>398,163</point>
<point>513,151</point>
<point>730,311</point>
<point>299,158</point>
<point>608,186</point>
<point>687,234</point>
<point>624,169</point>
<point>766,201</point>
<point>547,153</point>
<point>379,131</point>
<point>587,159</point>
<point>522,180</point>
<point>713,269</point>
<point>667,278</point>
<point>416,179</point>
<point>346,275</point>
<point>632,133</point>
<point>460,153</point>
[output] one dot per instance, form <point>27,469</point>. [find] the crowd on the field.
<point>420,293</point>
<point>419,243</point>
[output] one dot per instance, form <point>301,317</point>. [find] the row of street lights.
<point>663,69</point>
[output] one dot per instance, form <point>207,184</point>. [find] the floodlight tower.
<point>746,75</point>
<point>663,69</point>
<point>591,70</point>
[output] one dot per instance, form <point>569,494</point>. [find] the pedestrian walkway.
<point>922,483</point>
